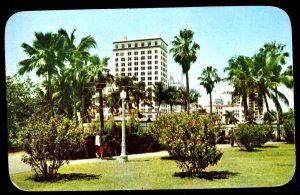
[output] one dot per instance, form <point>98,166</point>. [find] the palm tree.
<point>208,79</point>
<point>172,96</point>
<point>239,75</point>
<point>159,95</point>
<point>139,94</point>
<point>78,74</point>
<point>113,101</point>
<point>230,117</point>
<point>127,84</point>
<point>100,77</point>
<point>46,55</point>
<point>194,95</point>
<point>184,53</point>
<point>275,59</point>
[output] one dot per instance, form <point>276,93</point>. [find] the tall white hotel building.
<point>146,59</point>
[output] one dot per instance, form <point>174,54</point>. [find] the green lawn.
<point>272,165</point>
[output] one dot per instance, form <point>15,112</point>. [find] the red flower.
<point>199,142</point>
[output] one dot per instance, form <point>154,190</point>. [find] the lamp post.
<point>123,156</point>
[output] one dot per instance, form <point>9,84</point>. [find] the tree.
<point>21,103</point>
<point>46,55</point>
<point>184,53</point>
<point>78,74</point>
<point>126,83</point>
<point>113,101</point>
<point>101,77</point>
<point>275,58</point>
<point>230,117</point>
<point>159,95</point>
<point>239,75</point>
<point>139,93</point>
<point>208,79</point>
<point>172,96</point>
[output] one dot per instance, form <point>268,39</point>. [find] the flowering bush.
<point>249,136</point>
<point>190,139</point>
<point>50,144</point>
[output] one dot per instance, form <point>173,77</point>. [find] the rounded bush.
<point>249,136</point>
<point>190,139</point>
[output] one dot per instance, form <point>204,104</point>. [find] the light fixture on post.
<point>123,156</point>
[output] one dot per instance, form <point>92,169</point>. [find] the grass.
<point>269,166</point>
<point>15,153</point>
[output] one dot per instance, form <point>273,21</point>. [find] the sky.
<point>221,32</point>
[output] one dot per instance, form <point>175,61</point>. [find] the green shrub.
<point>190,139</point>
<point>249,136</point>
<point>289,130</point>
<point>50,144</point>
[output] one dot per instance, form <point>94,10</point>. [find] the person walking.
<point>97,144</point>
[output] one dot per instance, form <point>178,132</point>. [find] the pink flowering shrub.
<point>50,144</point>
<point>190,139</point>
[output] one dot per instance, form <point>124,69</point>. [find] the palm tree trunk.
<point>101,110</point>
<point>74,109</point>
<point>278,117</point>
<point>83,118</point>
<point>187,92</point>
<point>50,94</point>
<point>210,100</point>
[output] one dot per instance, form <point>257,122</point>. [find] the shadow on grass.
<point>210,175</point>
<point>167,158</point>
<point>67,177</point>
<point>269,147</point>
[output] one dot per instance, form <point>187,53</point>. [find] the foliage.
<point>50,144</point>
<point>190,139</point>
<point>289,126</point>
<point>249,136</point>
<point>20,106</point>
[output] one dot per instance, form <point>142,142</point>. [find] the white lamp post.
<point>123,156</point>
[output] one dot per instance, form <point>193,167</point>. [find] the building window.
<point>123,46</point>
<point>156,67</point>
<point>129,69</point>
<point>142,78</point>
<point>149,83</point>
<point>122,54</point>
<point>142,73</point>
<point>129,74</point>
<point>116,59</point>
<point>123,69</point>
<point>143,57</point>
<point>142,68</point>
<point>129,45</point>
<point>136,74</point>
<point>122,59</point>
<point>117,74</point>
<point>142,52</point>
<point>129,53</point>
<point>123,64</point>
<point>156,72</point>
<point>122,74</point>
<point>136,63</point>
<point>143,63</point>
<point>149,52</point>
<point>155,42</point>
<point>149,110</point>
<point>129,63</point>
<point>149,78</point>
<point>117,54</point>
<point>149,67</point>
<point>117,64</point>
<point>135,45</point>
<point>156,56</point>
<point>149,62</point>
<point>136,53</point>
<point>149,43</point>
<point>149,73</point>
<point>156,62</point>
<point>117,69</point>
<point>149,57</point>
<point>136,58</point>
<point>142,44</point>
<point>156,78</point>
<point>129,58</point>
<point>136,68</point>
<point>116,46</point>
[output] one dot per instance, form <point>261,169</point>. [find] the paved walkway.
<point>16,165</point>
